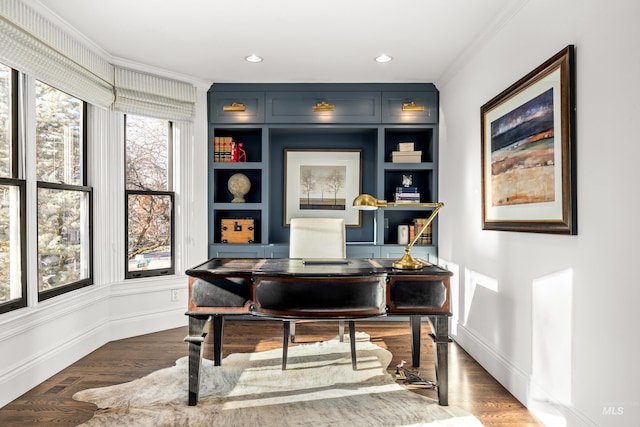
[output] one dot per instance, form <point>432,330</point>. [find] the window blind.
<point>35,46</point>
<point>152,96</point>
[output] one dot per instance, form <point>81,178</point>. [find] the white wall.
<point>38,341</point>
<point>553,317</point>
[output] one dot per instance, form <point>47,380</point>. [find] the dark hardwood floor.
<point>50,403</point>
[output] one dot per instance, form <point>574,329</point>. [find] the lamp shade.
<point>367,202</point>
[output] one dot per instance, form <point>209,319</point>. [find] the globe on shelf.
<point>239,185</point>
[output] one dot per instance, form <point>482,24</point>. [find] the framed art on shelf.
<point>322,184</point>
<point>528,152</point>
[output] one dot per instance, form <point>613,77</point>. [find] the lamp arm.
<point>438,206</point>
<point>407,262</point>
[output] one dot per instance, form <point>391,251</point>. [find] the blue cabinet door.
<point>421,107</point>
<point>347,107</point>
<point>236,107</point>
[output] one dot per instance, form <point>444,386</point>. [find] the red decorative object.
<point>237,153</point>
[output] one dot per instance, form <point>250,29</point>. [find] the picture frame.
<point>528,152</point>
<point>322,184</point>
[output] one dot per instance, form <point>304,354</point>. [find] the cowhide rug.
<point>319,388</point>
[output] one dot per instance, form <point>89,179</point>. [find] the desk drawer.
<point>418,295</point>
<point>321,296</point>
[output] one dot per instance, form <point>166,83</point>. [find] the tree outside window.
<point>6,122</point>
<point>149,197</point>
<point>63,206</point>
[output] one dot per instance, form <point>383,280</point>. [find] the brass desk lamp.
<point>367,202</point>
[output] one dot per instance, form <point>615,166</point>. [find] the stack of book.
<point>406,154</point>
<point>426,237</point>
<point>407,195</point>
<point>222,146</point>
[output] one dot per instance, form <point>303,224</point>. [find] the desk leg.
<point>441,340</point>
<point>195,339</point>
<point>416,324</point>
<point>217,329</point>
<point>285,342</point>
<point>352,342</point>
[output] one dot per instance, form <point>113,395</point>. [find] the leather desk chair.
<point>317,238</point>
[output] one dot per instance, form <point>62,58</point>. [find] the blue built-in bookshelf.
<point>270,119</point>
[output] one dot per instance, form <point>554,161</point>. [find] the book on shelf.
<point>408,194</point>
<point>222,148</point>
<point>407,197</point>
<point>406,156</point>
<point>427,237</point>
<point>216,149</point>
<point>406,189</point>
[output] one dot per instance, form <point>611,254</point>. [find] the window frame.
<point>21,302</point>
<point>138,274</point>
<point>157,271</point>
<point>15,123</point>
<point>15,181</point>
<point>59,290</point>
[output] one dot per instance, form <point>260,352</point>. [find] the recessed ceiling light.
<point>383,58</point>
<point>253,58</point>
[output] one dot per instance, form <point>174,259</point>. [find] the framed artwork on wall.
<point>528,152</point>
<point>322,184</point>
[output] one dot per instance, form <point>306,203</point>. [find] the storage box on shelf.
<point>226,232</point>
<point>406,156</point>
<point>238,230</point>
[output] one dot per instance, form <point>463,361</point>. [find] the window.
<point>13,283</point>
<point>149,197</point>
<point>63,199</point>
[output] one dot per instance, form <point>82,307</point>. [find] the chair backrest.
<point>317,238</point>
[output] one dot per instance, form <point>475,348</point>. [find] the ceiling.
<point>329,41</point>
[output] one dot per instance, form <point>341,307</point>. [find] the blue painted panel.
<point>252,101</point>
<point>297,107</point>
<point>320,139</point>
<point>427,253</point>
<point>236,251</point>
<point>276,251</point>
<point>392,107</point>
<point>363,251</point>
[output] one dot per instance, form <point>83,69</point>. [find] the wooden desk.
<point>287,288</point>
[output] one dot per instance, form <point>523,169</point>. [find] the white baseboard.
<point>146,323</point>
<point>41,341</point>
<point>17,380</point>
<point>517,382</point>
<point>513,378</point>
